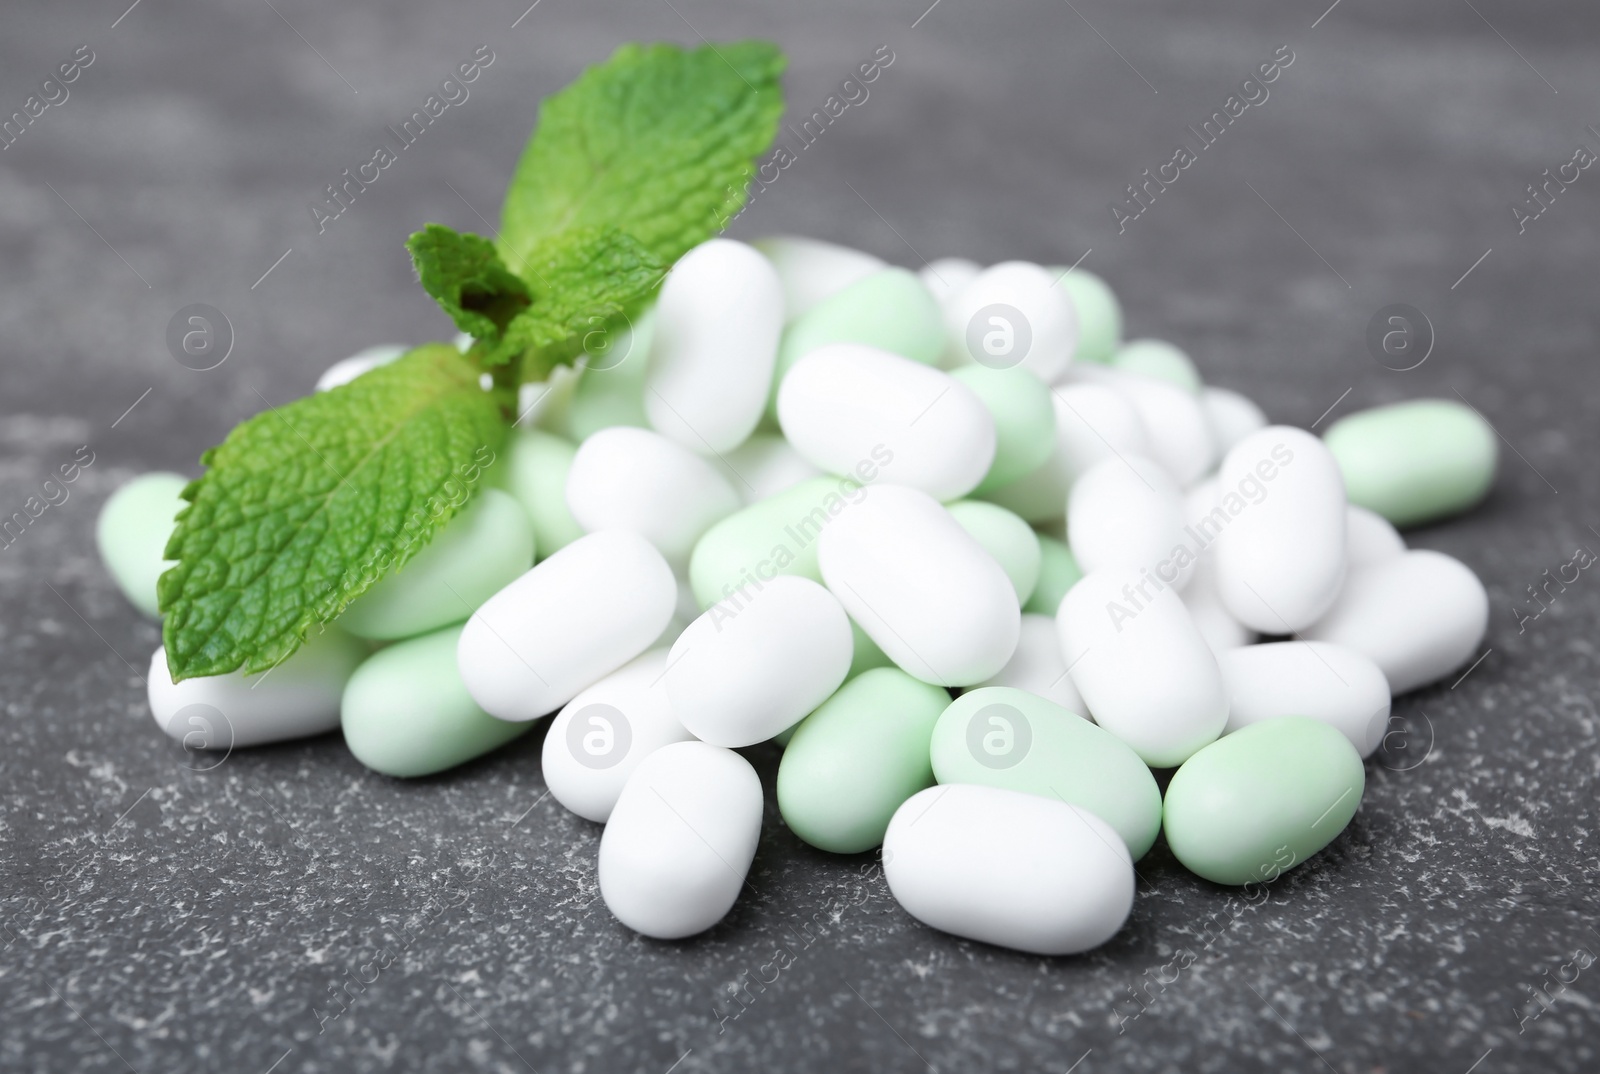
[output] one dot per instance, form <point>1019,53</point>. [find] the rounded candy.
<point>1415,462</point>
<point>1160,359</point>
<point>1013,315</point>
<point>1369,537</point>
<point>1326,682</point>
<point>845,404</point>
<point>1418,616</point>
<point>1179,436</point>
<point>1009,738</point>
<point>715,341</point>
<point>811,271</point>
<point>598,739</point>
<point>1008,868</point>
<point>638,480</point>
<point>579,615</point>
<point>1142,665</point>
<point>132,533</point>
<point>1099,314</point>
<point>1262,800</point>
<point>535,472</point>
<point>405,711</point>
<point>1007,538</point>
<point>1058,572</point>
<point>478,553</point>
<point>1279,531</point>
<point>299,697</point>
<point>921,587</point>
<point>1231,416</point>
<point>764,466</point>
<point>680,840</point>
<point>1128,512</point>
<point>756,663</point>
<point>946,276</point>
<point>611,390</point>
<point>1037,666</point>
<point>852,762</point>
<point>1024,420</point>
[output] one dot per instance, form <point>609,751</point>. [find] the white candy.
<point>811,270</point>
<point>1142,665</point>
<point>297,698</point>
<point>948,275</point>
<point>1217,625</point>
<point>1013,869</point>
<point>680,840</point>
<point>599,738</point>
<point>1231,416</point>
<point>921,587</point>
<point>766,465</point>
<point>1418,616</point>
<point>1369,537</point>
<point>1179,435</point>
<point>756,663</point>
<point>1013,314</point>
<point>1037,666</point>
<point>1280,558</point>
<point>1128,512</point>
<point>579,615</point>
<point>844,406</point>
<point>1325,682</point>
<point>345,370</point>
<point>1095,422</point>
<point>716,331</point>
<point>634,479</point>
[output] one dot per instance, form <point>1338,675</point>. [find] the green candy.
<point>132,534</point>
<point>1007,538</point>
<point>890,309</point>
<point>478,553</point>
<point>1415,462</point>
<point>1261,800</point>
<point>535,472</point>
<point>1004,737</point>
<point>405,711</point>
<point>1099,315</point>
<point>1159,359</point>
<point>611,390</point>
<point>1058,572</point>
<point>1024,420</point>
<point>867,655</point>
<point>777,535</point>
<point>853,761</point>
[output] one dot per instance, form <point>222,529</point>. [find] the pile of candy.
<point>975,562</point>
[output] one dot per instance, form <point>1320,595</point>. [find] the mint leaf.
<point>657,142</point>
<point>304,507</point>
<point>465,276</point>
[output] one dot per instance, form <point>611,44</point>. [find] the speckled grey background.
<point>159,918</point>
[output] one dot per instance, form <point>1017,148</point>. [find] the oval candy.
<point>1325,682</point>
<point>1415,462</point>
<point>132,533</point>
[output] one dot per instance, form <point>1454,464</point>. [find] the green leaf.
<point>657,142</point>
<point>304,507</point>
<point>466,277</point>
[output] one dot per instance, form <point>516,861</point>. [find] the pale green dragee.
<point>536,474</point>
<point>132,534</point>
<point>1415,462</point>
<point>611,390</point>
<point>1058,572</point>
<point>1024,421</point>
<point>1160,359</point>
<point>1099,315</point>
<point>1004,737</point>
<point>405,711</point>
<point>1007,538</point>
<point>480,552</point>
<point>777,535</point>
<point>1263,799</point>
<point>891,310</point>
<point>852,762</point>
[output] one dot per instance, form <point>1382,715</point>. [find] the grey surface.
<point>157,918</point>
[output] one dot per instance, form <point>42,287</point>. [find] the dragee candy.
<point>1024,420</point>
<point>921,587</point>
<point>1037,666</point>
<point>1415,462</point>
<point>1258,802</point>
<point>1099,314</point>
<point>680,840</point>
<point>1012,315</point>
<point>1007,538</point>
<point>714,344</point>
<point>1317,679</point>
<point>852,762</point>
<point>1008,868</point>
<point>1160,359</point>
<point>579,615</point>
<point>1418,616</point>
<point>132,533</point>
<point>847,406</point>
<point>811,270</point>
<point>1003,737</point>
